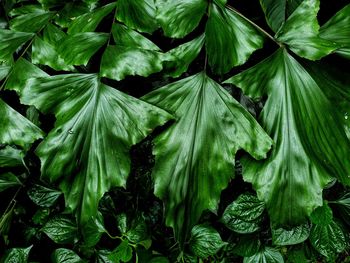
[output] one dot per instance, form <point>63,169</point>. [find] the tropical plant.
<point>174,131</point>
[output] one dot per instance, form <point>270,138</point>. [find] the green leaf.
<point>43,196</point>
<point>329,240</point>
<point>322,215</point>
<point>103,256</point>
<point>17,255</point>
<point>44,50</point>
<point>301,32</point>
<point>247,246</point>
<point>343,206</point>
<point>10,41</point>
<point>293,236</point>
<point>122,253</point>
<point>290,181</point>
<point>69,12</point>
<point>93,230</point>
<point>63,255</point>
<point>8,180</point>
<point>244,214</point>
<point>61,229</point>
<point>80,148</point>
<point>6,220</point>
<point>180,17</point>
<point>337,29</point>
<point>277,12</point>
<point>77,49</point>
<point>137,14</point>
<point>205,241</point>
<point>180,58</point>
<point>186,167</point>
<point>225,44</point>
<point>138,231</point>
<point>4,70</point>
<point>16,129</point>
<point>88,22</point>
<point>265,255</point>
<point>11,157</point>
<point>133,54</point>
<point>122,223</point>
<point>33,21</point>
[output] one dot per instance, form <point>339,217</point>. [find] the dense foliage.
<point>174,131</point>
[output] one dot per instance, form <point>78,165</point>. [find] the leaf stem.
<point>12,203</point>
<point>255,25</point>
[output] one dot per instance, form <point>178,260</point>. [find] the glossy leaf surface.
<point>63,255</point>
<point>18,255</point>
<point>267,254</point>
<point>295,235</point>
<point>190,174</point>
<point>10,41</point>
<point>43,196</point>
<point>305,128</point>
<point>11,157</point>
<point>8,180</point>
<point>61,229</point>
<point>32,21</point>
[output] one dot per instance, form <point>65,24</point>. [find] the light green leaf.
<point>8,180</point>
<point>77,49</point>
<point>277,12</point>
<point>329,240</point>
<point>43,196</point>
<point>186,167</point>
<point>4,70</point>
<point>247,246</point>
<point>33,21</point>
<point>337,29</point>
<point>133,54</point>
<point>11,157</point>
<point>293,236</point>
<point>301,32</point>
<point>322,215</point>
<point>290,181</point>
<point>180,17</point>
<point>17,255</point>
<point>181,57</point>
<point>205,241</point>
<point>137,14</point>
<point>10,41</point>
<point>63,255</point>
<point>80,147</point>
<point>122,253</point>
<point>88,22</point>
<point>16,129</point>
<point>226,44</point>
<point>265,255</point>
<point>61,229</point>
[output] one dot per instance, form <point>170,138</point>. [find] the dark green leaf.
<point>301,32</point>
<point>137,14</point>
<point>138,231</point>
<point>180,17</point>
<point>17,255</point>
<point>122,253</point>
<point>8,180</point>
<point>329,240</point>
<point>186,167</point>
<point>69,12</point>
<point>10,41</point>
<point>205,241</point>
<point>43,196</point>
<point>11,157</point>
<point>77,49</point>
<point>265,255</point>
<point>290,181</point>
<point>80,148</point>
<point>6,220</point>
<point>89,21</point>
<point>343,206</point>
<point>225,44</point>
<point>93,230</point>
<point>61,229</point>
<point>322,215</point>
<point>247,246</point>
<point>103,256</point>
<point>122,223</point>
<point>337,29</point>
<point>16,129</point>
<point>286,237</point>
<point>41,216</point>
<point>63,255</point>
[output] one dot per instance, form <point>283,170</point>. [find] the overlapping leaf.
<point>267,254</point>
<point>195,156</point>
<point>305,128</point>
<point>10,41</point>
<point>10,157</point>
<point>89,147</point>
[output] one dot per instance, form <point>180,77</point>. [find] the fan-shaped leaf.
<point>11,157</point>
<point>305,128</point>
<point>230,40</point>
<point>186,167</point>
<point>10,41</point>
<point>8,180</point>
<point>95,128</point>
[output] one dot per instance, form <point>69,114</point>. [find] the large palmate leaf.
<point>16,129</point>
<point>10,41</point>
<point>137,14</point>
<point>277,12</point>
<point>133,54</point>
<point>195,157</point>
<point>180,17</point>
<point>230,40</point>
<point>305,128</point>
<point>301,32</point>
<point>95,127</point>
<point>337,29</point>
